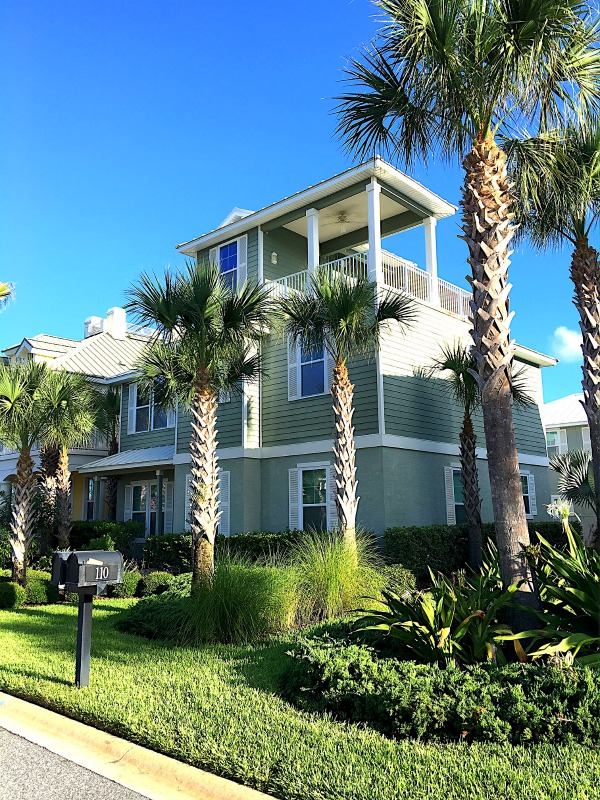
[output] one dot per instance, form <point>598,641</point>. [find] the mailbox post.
<point>88,573</point>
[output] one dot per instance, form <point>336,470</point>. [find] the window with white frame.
<point>312,371</point>
<point>312,497</point>
<point>145,413</point>
<point>586,440</point>
<point>141,504</point>
<point>455,504</point>
<point>232,260</point>
<point>89,499</point>
<point>556,442</point>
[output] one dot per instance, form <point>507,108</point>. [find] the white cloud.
<point>566,344</point>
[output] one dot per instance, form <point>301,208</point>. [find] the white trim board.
<point>362,442</point>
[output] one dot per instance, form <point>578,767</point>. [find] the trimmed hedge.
<point>154,583</point>
<point>5,549</point>
<point>516,703</point>
<point>39,591</point>
<point>11,595</point>
<point>129,587</point>
<point>171,551</point>
<point>444,547</point>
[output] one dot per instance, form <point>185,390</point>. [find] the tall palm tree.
<point>449,76</point>
<point>68,407</point>
<point>6,293</point>
<point>345,317</point>
<point>557,176</point>
<point>204,344</point>
<point>108,416</point>
<point>21,425</point>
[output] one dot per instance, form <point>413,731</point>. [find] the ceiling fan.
<point>342,219</point>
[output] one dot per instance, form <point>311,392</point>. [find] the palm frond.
<point>576,481</point>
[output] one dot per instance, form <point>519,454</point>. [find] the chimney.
<point>116,323</point>
<point>91,326</point>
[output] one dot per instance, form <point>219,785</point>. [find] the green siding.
<point>311,418</point>
<point>229,425</point>
<point>202,255</point>
<point>424,409</point>
<point>136,441</point>
<point>292,253</point>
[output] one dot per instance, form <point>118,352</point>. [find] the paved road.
<point>29,772</point>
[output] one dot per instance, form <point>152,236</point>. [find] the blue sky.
<point>129,127</point>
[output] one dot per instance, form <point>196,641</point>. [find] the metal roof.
<point>132,459</point>
<point>564,412</point>
<point>45,345</point>
<point>103,356</point>
<point>374,168</point>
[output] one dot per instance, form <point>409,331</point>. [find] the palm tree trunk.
<point>471,494</point>
<point>63,499</point>
<point>22,526</point>
<point>48,465</point>
<point>344,453</point>
<point>112,484</point>
<point>488,229</point>
<point>585,274</point>
<point>204,500</point>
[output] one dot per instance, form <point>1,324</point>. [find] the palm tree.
<point>6,293</point>
<point>67,402</point>
<point>21,424</point>
<point>344,317</point>
<point>206,337</point>
<point>450,77</point>
<point>459,362</point>
<point>557,177</point>
<point>576,481</point>
<point>108,415</point>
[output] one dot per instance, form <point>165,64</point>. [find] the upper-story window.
<point>232,260</point>
<point>144,412</point>
<point>312,371</point>
<point>556,442</point>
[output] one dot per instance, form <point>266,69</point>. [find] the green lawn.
<point>217,708</point>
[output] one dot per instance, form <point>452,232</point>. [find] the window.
<point>314,499</point>
<point>556,442</point>
<point>228,260</point>
<point>144,412</point>
<point>312,372</point>
<point>460,514</point>
<point>586,441</point>
<point>141,504</point>
<point>525,486</point>
<point>89,499</point>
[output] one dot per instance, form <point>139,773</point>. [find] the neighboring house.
<point>275,437</point>
<point>567,428</point>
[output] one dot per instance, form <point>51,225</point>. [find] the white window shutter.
<point>329,365</point>
<point>450,507</point>
<point>168,510</point>
<point>171,417</point>
<point>188,504</point>
<point>532,497</point>
<point>242,261</point>
<point>131,407</point>
<point>294,499</point>
<point>224,502</point>
<point>332,515</point>
<point>585,440</point>
<point>213,256</point>
<point>128,510</point>
<point>293,370</point>
<point>563,444</point>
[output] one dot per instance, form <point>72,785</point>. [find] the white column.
<point>312,224</point>
<point>431,258</point>
<point>374,262</point>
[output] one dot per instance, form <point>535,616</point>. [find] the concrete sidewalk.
<point>150,774</point>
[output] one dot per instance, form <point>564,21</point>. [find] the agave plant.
<point>455,622</point>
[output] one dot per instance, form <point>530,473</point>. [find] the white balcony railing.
<point>398,273</point>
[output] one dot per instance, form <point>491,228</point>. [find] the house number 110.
<point>101,573</point>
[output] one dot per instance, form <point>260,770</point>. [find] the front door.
<point>144,505</point>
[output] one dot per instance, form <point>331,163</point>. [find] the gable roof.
<point>44,345</point>
<point>564,411</point>
<point>102,356</point>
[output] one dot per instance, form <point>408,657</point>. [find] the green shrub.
<point>172,551</point>
<point>122,534</point>
<point>515,703</point>
<point>129,587</point>
<point>39,589</point>
<point>5,549</point>
<point>245,603</point>
<point>104,542</point>
<point>11,594</point>
<point>154,583</point>
<point>443,548</point>
<point>332,580</point>
<point>398,579</point>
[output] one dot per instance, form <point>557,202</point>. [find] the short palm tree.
<point>108,416</point>
<point>576,479</point>
<point>449,77</point>
<point>21,425</point>
<point>557,176</point>
<point>344,317</point>
<point>206,337</point>
<point>67,402</point>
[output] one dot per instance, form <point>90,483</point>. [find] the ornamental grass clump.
<point>332,579</point>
